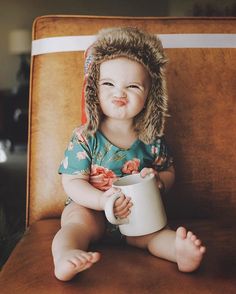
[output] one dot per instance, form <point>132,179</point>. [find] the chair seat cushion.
<point>122,269</point>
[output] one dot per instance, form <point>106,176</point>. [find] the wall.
<point>202,7</point>
<point>21,13</point>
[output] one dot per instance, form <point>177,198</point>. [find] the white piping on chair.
<point>81,43</point>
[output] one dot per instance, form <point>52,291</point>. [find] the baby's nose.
<point>119,92</point>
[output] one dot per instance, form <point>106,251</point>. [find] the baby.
<point>126,106</point>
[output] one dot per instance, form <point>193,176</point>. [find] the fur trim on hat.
<point>138,46</point>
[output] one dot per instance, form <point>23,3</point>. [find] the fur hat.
<point>138,46</point>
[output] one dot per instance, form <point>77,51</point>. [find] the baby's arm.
<point>83,193</point>
<point>167,178</point>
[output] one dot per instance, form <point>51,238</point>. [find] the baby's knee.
<point>91,220</point>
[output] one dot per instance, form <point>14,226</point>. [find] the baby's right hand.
<point>122,206</point>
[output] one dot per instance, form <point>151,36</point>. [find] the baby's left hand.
<point>147,171</point>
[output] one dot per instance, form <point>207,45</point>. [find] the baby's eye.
<point>133,86</point>
<point>107,84</point>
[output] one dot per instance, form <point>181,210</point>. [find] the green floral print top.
<point>100,162</point>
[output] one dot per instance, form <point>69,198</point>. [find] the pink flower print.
<point>101,177</point>
<point>131,166</point>
<point>81,155</point>
<point>154,150</point>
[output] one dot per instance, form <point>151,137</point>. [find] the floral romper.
<point>100,162</point>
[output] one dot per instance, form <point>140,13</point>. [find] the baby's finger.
<point>144,172</point>
<point>147,171</point>
<point>125,205</point>
<point>119,200</point>
<point>122,202</point>
<point>123,213</point>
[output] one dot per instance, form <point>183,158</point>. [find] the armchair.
<point>201,133</point>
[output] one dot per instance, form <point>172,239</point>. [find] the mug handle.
<point>109,211</point>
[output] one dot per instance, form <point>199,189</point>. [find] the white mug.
<point>147,213</point>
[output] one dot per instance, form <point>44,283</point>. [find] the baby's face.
<point>123,88</point>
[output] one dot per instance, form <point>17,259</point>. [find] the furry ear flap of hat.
<point>138,46</point>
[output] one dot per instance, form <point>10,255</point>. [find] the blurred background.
<point>16,18</point>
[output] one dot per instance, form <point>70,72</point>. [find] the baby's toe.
<point>198,242</point>
<point>181,233</point>
<point>202,249</point>
<point>193,238</point>
<point>189,235</point>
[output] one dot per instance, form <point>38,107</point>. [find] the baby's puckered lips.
<point>120,101</point>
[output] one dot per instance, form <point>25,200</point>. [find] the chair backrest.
<point>201,129</point>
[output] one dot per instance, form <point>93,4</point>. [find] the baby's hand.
<point>147,171</point>
<point>122,206</point>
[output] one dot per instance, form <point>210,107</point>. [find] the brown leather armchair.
<point>201,133</point>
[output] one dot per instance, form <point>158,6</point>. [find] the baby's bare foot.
<point>189,251</point>
<point>73,262</point>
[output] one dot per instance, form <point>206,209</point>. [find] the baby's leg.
<point>79,227</point>
<point>181,247</point>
